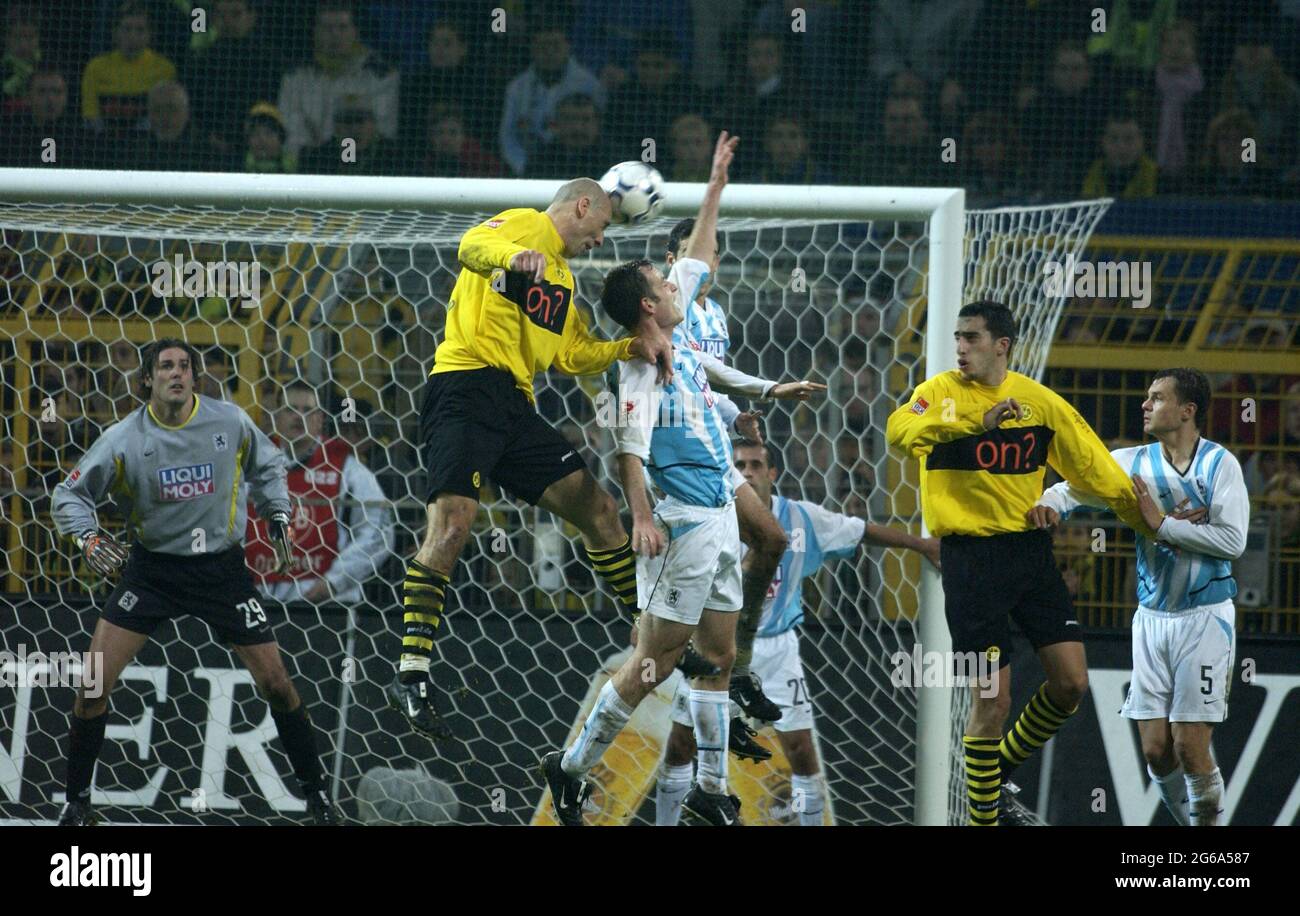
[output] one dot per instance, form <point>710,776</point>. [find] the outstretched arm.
<point>888,536</point>
<point>700,244</point>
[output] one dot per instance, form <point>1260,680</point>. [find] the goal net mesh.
<point>354,303</point>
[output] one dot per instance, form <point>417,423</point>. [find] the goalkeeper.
<point>180,468</point>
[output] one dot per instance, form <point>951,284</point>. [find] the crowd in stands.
<point>1014,100</point>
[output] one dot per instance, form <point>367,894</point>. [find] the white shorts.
<point>699,570</point>
<point>777,664</point>
<point>1182,664</point>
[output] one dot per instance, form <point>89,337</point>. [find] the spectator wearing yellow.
<point>114,86</point>
<point>265,136</point>
<point>1124,169</point>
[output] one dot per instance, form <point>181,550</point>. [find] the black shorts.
<point>476,426</point>
<point>216,588</point>
<point>987,580</point>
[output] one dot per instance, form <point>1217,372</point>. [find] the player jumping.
<point>705,329</point>
<point>181,468</point>
<point>1184,631</point>
<point>821,536</point>
<point>984,436</point>
<point>688,569</point>
<point>511,316</point>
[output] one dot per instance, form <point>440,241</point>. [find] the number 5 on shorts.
<point>254,616</point>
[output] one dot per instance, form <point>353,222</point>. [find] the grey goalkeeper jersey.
<point>171,480</point>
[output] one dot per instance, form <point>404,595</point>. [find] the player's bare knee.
<point>721,654</point>
<point>991,712</point>
<point>681,746</point>
<point>277,689</point>
<point>605,525</point>
<point>1158,752</point>
<point>1192,752</point>
<point>449,537</point>
<point>802,755</point>
<point>1069,689</point>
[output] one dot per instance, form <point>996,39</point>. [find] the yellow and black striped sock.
<point>983,780</point>
<point>618,568</point>
<point>1039,720</point>
<point>424,595</point>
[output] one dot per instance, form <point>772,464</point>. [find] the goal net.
<point>353,300</point>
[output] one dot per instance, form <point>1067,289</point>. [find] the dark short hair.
<point>625,286</point>
<point>1190,386</point>
<point>149,360</point>
<point>680,233</point>
<point>997,318</point>
<point>770,454</point>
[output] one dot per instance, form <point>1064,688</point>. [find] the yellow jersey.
<point>502,319</point>
<point>114,87</point>
<point>983,482</point>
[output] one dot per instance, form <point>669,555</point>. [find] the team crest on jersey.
<point>494,223</point>
<point>1026,412</point>
<point>673,595</point>
<point>921,406</point>
<point>219,441</point>
<point>75,475</point>
<point>187,482</point>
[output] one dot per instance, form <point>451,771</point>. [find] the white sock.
<point>607,719</point>
<point>709,709</point>
<point>1204,794</point>
<point>674,783</point>
<point>1173,791</point>
<point>806,799</point>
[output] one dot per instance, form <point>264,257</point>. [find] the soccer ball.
<point>636,191</point>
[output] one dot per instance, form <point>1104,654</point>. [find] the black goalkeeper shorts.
<point>987,581</point>
<point>216,588</point>
<point>475,426</point>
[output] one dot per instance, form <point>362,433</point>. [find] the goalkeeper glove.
<point>279,530</point>
<point>104,554</point>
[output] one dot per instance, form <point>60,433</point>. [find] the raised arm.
<point>700,243</point>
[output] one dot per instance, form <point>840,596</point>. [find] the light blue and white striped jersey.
<point>1189,565</point>
<point>706,325</point>
<point>705,329</point>
<point>816,536</point>
<point>675,429</point>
